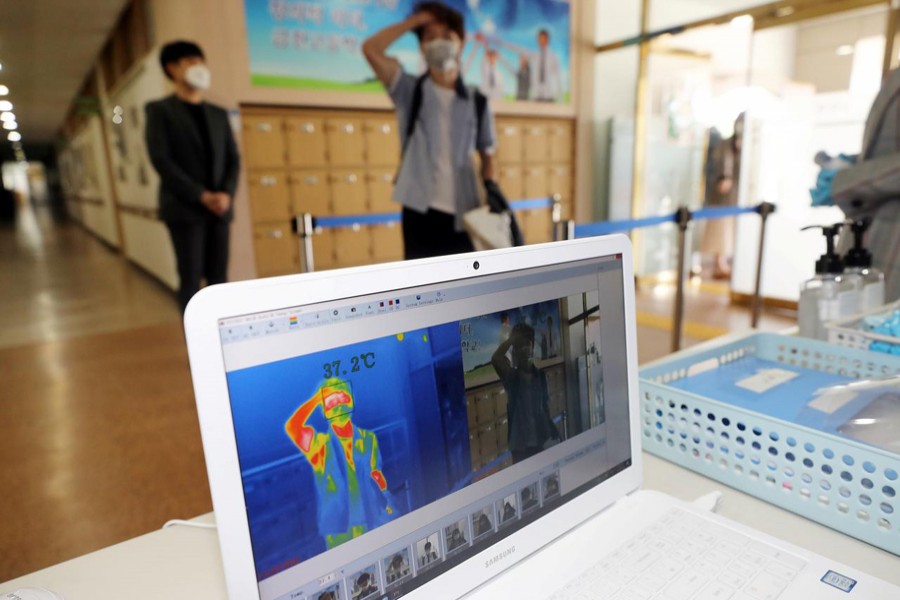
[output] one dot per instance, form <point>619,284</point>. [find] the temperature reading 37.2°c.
<point>357,363</point>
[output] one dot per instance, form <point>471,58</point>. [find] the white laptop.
<point>456,427</point>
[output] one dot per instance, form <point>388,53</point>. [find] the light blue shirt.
<point>415,181</point>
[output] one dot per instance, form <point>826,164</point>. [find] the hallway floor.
<point>102,440</point>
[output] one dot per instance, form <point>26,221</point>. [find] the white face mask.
<point>198,77</point>
<point>441,54</point>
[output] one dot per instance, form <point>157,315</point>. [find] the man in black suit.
<point>192,148</point>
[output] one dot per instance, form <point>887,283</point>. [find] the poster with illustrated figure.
<point>515,50</point>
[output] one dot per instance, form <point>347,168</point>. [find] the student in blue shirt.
<point>442,123</point>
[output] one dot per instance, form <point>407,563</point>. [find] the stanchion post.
<point>556,216</point>
<point>765,209</point>
<point>682,219</point>
<point>570,229</point>
<point>307,230</point>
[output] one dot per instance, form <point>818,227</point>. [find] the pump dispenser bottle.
<point>859,271</point>
<point>828,295</point>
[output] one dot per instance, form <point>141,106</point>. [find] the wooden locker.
<point>277,250</point>
<point>348,193</point>
<point>561,142</point>
<point>382,142</point>
<point>269,197</point>
<point>310,193</point>
<point>352,246</point>
<point>487,439</point>
<point>538,228</point>
<point>380,184</point>
<point>470,412</point>
<point>475,450</point>
<point>306,142</point>
<point>387,242</point>
<point>537,182</point>
<point>502,429</point>
<point>511,182</point>
<point>536,142</point>
<point>324,250</point>
<point>346,143</point>
<point>509,142</point>
<point>264,145</point>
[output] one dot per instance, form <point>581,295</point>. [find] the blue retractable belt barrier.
<point>350,221</point>
<point>722,212</point>
<point>386,218</point>
<point>531,204</point>
<point>606,227</point>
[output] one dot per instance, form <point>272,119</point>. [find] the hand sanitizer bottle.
<point>828,296</point>
<point>858,269</point>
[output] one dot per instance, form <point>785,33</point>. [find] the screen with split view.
<point>383,440</point>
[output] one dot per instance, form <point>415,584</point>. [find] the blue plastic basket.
<point>749,442</point>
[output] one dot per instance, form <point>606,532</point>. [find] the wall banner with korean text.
<point>514,49</point>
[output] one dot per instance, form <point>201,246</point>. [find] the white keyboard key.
<point>741,569</point>
<point>765,587</point>
<point>716,591</point>
<point>650,583</point>
<point>686,585</point>
<point>633,594</point>
<point>791,560</point>
<point>753,558</point>
<point>643,559</point>
<point>730,578</point>
<point>764,549</point>
<point>717,557</point>
<point>667,567</point>
<point>729,547</point>
<point>779,569</point>
<point>701,564</point>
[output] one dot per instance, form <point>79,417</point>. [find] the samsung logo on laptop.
<point>498,557</point>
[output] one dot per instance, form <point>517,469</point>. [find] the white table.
<point>183,562</point>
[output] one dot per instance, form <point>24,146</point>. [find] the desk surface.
<point>183,562</point>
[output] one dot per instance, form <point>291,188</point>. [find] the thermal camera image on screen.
<point>351,490</point>
<point>337,443</point>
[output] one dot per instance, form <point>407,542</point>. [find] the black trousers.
<point>432,234</point>
<point>201,251</point>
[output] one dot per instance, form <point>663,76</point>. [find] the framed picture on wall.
<point>515,50</point>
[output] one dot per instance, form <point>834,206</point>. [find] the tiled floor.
<point>101,435</point>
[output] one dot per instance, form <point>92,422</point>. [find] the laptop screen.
<point>384,439</point>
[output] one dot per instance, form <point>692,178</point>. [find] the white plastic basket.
<point>836,481</point>
<point>851,332</point>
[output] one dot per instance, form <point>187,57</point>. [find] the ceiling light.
<point>5,105</point>
<point>845,50</point>
<point>10,125</point>
<point>784,11</point>
<point>14,136</point>
<point>742,21</point>
<point>7,116</point>
<point>4,91</point>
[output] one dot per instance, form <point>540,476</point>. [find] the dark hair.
<point>175,51</point>
<point>444,15</point>
<point>545,32</point>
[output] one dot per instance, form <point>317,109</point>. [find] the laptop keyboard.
<point>684,557</point>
